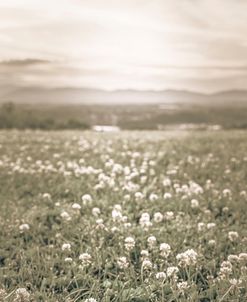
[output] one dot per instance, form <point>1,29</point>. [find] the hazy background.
<point>183,61</point>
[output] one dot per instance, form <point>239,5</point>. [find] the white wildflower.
<point>85,258</point>
<point>86,199</point>
<point>76,206</point>
<point>194,203</point>
<point>22,295</point>
<point>66,247</point>
<point>24,227</point>
<point>165,250</point>
<point>211,225</point>
<point>151,241</point>
<point>122,262</point>
<point>167,196</point>
<point>96,212</point>
<point>233,236</point>
<point>172,271</point>
<point>160,276</point>
<point>147,264</point>
<point>90,300</point>
<point>158,217</point>
<point>201,226</point>
<point>139,196</point>
<point>187,258</point>
<point>65,215</point>
<point>169,215</point>
<point>145,220</point>
<point>129,243</point>
<point>153,197</point>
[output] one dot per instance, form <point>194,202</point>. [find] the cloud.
<point>23,63</point>
<point>121,44</point>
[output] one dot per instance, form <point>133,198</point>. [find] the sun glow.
<point>124,44</point>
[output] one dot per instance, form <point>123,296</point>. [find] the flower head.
<point>187,258</point>
<point>129,243</point>
<point>24,227</point>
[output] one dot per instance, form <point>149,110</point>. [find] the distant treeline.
<point>131,117</point>
<point>20,117</point>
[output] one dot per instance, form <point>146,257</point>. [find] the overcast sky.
<point>198,45</point>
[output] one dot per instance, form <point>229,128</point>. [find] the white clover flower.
<point>194,203</point>
<point>151,241</point>
<point>144,253</point>
<point>127,197</point>
<point>86,199</point>
<point>68,259</point>
<point>172,271</point>
<point>114,229</point>
<point>225,210</point>
<point>46,196</point>
<point>158,217</point>
<point>207,212</point>
<point>76,206</point>
<point>129,243</point>
<point>242,256</point>
<point>99,221</point>
<point>153,197</point>
<point>127,225</point>
<point>225,269</point>
<point>184,197</point>
<point>96,212</point>
<point>160,276</point>
<point>169,215</point>
<point>117,213</point>
<point>117,168</point>
<point>226,192</point>
<point>182,286</point>
<point>139,196</point>
<point>65,215</point>
<point>24,227</point>
<point>201,226</point>
<point>243,193</point>
<point>233,258</point>
<point>211,225</point>
<point>90,300</point>
<point>143,179</point>
<point>122,262</point>
<point>147,264</point>
<point>145,221</point>
<point>85,258</point>
<point>212,242</point>
<point>195,188</point>
<point>22,295</point>
<point>187,258</point>
<point>235,282</point>
<point>165,250</point>
<point>117,207</point>
<point>167,182</point>
<point>66,247</point>
<point>3,294</point>
<point>167,196</point>
<point>233,236</point>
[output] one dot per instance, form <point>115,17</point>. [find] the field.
<point>130,216</point>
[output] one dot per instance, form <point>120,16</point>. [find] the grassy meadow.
<point>128,216</point>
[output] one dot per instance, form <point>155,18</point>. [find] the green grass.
<point>111,168</point>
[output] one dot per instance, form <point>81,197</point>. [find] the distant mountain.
<point>37,95</point>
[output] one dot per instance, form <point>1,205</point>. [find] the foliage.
<point>132,216</point>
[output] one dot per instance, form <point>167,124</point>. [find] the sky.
<point>197,45</point>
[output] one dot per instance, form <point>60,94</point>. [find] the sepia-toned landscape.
<point>123,151</point>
